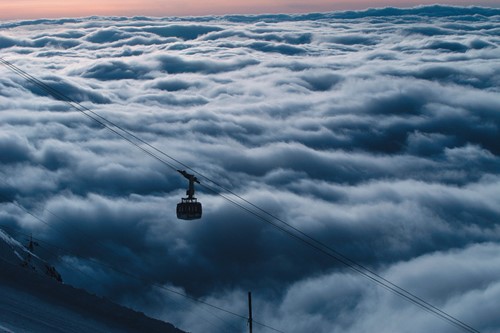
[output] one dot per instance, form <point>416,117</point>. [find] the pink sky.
<point>22,9</point>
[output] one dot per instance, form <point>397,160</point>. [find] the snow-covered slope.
<point>32,300</point>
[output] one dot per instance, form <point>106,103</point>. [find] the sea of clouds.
<point>375,132</point>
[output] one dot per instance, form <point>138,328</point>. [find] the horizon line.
<point>71,17</point>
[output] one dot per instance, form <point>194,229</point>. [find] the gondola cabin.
<point>189,208</point>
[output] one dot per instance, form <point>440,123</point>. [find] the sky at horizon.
<point>33,9</point>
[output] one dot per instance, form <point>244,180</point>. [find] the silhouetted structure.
<point>189,208</point>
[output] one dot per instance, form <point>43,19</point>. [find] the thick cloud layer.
<point>376,132</point>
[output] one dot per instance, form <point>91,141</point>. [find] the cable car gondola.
<point>189,208</point>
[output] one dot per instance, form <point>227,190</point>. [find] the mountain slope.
<point>31,301</point>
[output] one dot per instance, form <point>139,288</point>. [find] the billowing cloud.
<point>375,132</point>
